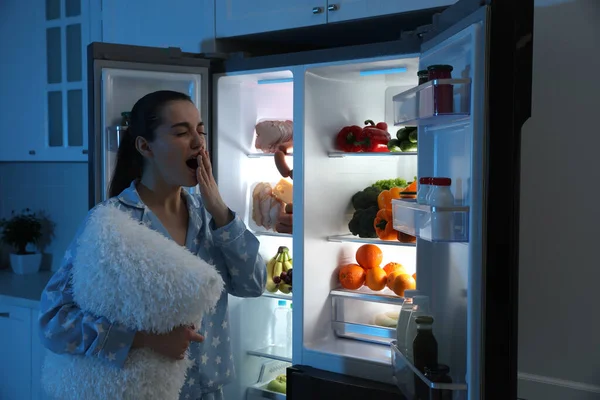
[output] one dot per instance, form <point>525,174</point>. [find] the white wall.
<point>559,320</point>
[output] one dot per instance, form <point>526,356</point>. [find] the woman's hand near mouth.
<point>209,191</point>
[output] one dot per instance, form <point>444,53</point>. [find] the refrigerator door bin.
<point>365,315</point>
<point>434,224</point>
<point>269,371</point>
<point>405,375</point>
<point>273,352</point>
<point>434,102</point>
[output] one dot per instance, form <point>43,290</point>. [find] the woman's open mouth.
<point>192,163</point>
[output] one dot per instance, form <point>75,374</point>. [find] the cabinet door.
<point>38,353</point>
<point>243,17</point>
<point>15,347</point>
<point>22,91</point>
<point>345,10</point>
<point>175,23</point>
<point>67,34</point>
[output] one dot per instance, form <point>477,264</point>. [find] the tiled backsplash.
<point>59,189</point>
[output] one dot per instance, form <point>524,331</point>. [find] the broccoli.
<point>362,221</point>
<point>366,198</point>
<point>387,184</point>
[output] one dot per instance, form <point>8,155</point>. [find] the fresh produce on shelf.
<point>352,276</point>
<point>369,256</point>
<point>361,224</point>
<point>376,279</point>
<point>387,184</point>
<point>384,225</point>
<point>279,384</point>
<point>271,134</point>
<point>268,202</point>
<point>406,238</point>
<point>374,137</point>
<point>347,139</point>
<point>388,319</point>
<point>279,272</point>
<point>368,271</point>
<point>365,198</point>
<point>405,140</point>
<point>384,200</point>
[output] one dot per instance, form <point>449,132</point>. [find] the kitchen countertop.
<point>23,290</point>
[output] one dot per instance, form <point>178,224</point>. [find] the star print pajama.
<point>232,249</point>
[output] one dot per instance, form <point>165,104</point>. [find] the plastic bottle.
<point>424,188</point>
<point>441,196</point>
<point>280,322</point>
<point>420,307</point>
<point>403,318</point>
<point>289,327</point>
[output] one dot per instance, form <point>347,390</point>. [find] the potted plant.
<point>20,231</point>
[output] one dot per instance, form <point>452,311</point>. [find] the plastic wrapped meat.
<point>266,208</point>
<point>271,134</point>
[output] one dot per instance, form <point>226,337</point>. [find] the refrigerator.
<point>470,273</point>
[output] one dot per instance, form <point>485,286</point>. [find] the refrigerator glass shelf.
<point>385,296</point>
<point>354,314</point>
<point>355,239</point>
<point>273,352</point>
<point>260,391</point>
<point>434,224</point>
<point>274,234</point>
<point>438,101</point>
<point>405,373</point>
<point>262,155</point>
<point>278,295</point>
<point>343,154</point>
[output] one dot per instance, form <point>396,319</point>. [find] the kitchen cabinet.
<point>346,10</point>
<point>22,353</point>
<point>43,111</point>
<point>188,24</point>
<point>244,17</point>
<point>15,347</point>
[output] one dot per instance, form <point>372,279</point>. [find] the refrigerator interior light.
<point>272,81</point>
<point>384,71</point>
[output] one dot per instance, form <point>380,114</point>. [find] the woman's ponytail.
<point>145,118</point>
<point>129,164</point>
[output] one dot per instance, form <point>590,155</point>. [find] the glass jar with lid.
<point>443,94</point>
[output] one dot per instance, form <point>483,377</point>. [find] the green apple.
<point>278,384</point>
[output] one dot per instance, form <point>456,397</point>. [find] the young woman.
<point>164,150</point>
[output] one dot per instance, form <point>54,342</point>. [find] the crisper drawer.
<point>435,224</point>
<point>410,381</point>
<point>365,316</point>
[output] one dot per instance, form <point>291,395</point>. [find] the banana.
<point>285,288</point>
<point>287,264</point>
<point>271,286</point>
<point>278,269</point>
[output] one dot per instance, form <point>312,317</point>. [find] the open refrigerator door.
<point>119,75</point>
<point>462,141</point>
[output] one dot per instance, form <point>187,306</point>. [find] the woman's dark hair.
<point>144,119</point>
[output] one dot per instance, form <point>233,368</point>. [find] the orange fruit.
<point>376,279</point>
<point>369,256</point>
<point>393,266</point>
<point>392,276</point>
<point>403,282</point>
<point>351,276</point>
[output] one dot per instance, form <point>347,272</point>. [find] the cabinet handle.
<point>317,10</point>
<point>4,315</point>
<point>333,7</point>
<point>32,152</point>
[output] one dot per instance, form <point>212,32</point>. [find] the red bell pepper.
<point>374,139</point>
<point>347,139</point>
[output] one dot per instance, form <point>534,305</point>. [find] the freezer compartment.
<point>434,224</point>
<point>365,315</point>
<point>434,102</point>
<point>407,377</point>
